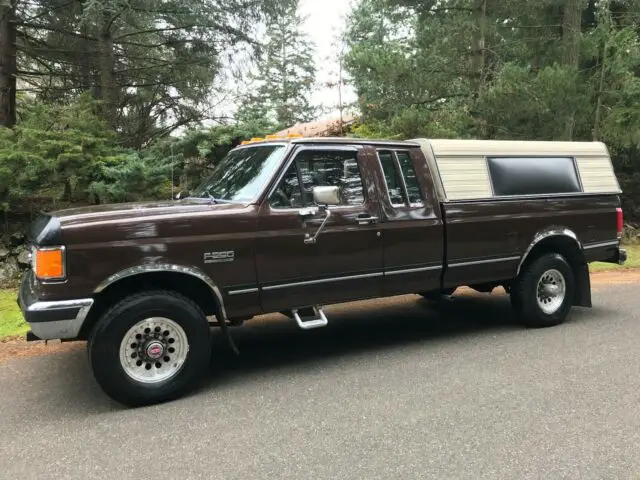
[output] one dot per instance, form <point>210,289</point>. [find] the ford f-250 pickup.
<point>289,225</point>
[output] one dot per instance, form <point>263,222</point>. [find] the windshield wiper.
<point>211,197</point>
<point>213,200</point>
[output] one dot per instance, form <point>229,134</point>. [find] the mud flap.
<point>583,287</point>
<point>224,328</point>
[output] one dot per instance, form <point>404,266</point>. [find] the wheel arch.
<point>188,281</point>
<point>564,241</point>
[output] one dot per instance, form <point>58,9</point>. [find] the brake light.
<point>620,218</point>
<point>48,263</point>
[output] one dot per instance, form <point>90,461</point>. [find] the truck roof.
<point>334,141</point>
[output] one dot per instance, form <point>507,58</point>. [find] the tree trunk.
<point>8,63</point>
<point>603,71</point>
<point>478,60</point>
<point>571,29</point>
<point>108,86</point>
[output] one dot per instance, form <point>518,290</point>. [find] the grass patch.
<point>11,321</point>
<point>633,261</point>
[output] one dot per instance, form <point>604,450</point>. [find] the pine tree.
<point>285,75</point>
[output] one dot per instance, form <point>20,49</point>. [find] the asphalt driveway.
<point>391,389</point>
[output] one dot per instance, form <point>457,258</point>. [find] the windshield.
<point>242,174</point>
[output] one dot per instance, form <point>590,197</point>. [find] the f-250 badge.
<point>219,257</point>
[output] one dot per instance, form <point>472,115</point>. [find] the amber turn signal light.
<point>48,263</point>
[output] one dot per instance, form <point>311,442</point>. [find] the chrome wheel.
<point>551,291</point>
<point>154,350</point>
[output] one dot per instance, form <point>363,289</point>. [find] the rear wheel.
<point>150,348</point>
<point>543,293</point>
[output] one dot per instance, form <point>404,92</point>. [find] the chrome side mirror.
<point>326,195</point>
<point>323,197</point>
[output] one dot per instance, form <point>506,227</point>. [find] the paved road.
<point>391,389</point>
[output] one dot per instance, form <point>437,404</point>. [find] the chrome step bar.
<point>309,317</point>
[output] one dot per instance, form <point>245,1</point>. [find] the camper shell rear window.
<point>511,176</point>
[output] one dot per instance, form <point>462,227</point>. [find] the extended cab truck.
<point>289,225</point>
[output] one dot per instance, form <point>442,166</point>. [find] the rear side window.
<point>533,175</point>
<point>392,178</point>
<point>400,177</point>
<point>410,178</point>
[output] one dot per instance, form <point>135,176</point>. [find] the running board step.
<point>309,317</point>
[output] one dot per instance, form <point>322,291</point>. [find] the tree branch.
<point>154,30</point>
<point>55,30</point>
<point>440,97</point>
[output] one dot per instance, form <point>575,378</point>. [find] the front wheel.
<point>149,348</point>
<point>544,292</point>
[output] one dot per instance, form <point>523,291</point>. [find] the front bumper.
<point>52,320</point>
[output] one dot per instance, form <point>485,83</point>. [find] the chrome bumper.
<point>53,320</point>
<point>57,320</point>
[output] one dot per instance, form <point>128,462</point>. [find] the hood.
<point>47,229</point>
<point>117,211</point>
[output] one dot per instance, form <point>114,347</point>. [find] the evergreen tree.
<point>285,75</point>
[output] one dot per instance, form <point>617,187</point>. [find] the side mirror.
<point>323,197</point>
<point>326,196</point>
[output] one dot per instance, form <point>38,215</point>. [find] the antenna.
<point>173,197</point>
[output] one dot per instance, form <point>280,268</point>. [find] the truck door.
<point>345,263</point>
<point>411,223</point>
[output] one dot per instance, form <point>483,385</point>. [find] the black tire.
<point>524,294</point>
<point>107,335</point>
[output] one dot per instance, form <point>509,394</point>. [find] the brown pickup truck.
<point>289,225</point>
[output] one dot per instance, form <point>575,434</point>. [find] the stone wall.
<point>14,258</point>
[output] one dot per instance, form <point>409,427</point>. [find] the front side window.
<point>242,174</point>
<point>319,168</point>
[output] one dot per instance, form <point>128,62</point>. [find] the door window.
<point>319,168</point>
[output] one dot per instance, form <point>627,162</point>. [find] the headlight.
<point>49,263</point>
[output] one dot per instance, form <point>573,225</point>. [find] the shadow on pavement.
<point>268,343</point>
<point>357,329</point>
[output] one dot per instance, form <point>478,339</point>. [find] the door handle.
<point>366,220</point>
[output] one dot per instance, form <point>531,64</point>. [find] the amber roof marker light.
<point>267,138</point>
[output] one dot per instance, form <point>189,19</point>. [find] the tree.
<point>151,63</point>
<point>547,70</point>
<point>7,63</point>
<point>285,73</point>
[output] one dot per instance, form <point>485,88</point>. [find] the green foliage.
<point>12,323</point>
<point>502,69</point>
<point>285,74</point>
<point>130,177</point>
<point>54,153</point>
<point>194,154</point>
<point>63,154</point>
<point>152,63</point>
